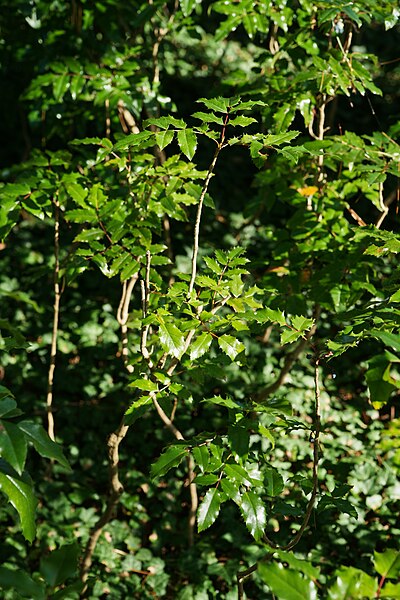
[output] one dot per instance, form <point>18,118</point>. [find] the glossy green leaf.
<point>42,443</point>
<point>390,591</point>
<point>200,346</point>
<point>172,339</point>
<point>187,6</point>
<point>13,445</point>
<point>288,336</point>
<point>201,455</point>
<point>227,402</point>
<point>164,138</point>
<point>144,384</point>
<point>230,345</point>
<point>137,409</point>
<point>208,510</point>
<point>287,584</point>
<point>187,142</point>
<point>172,457</point>
<point>274,484</point>
<point>389,339</point>
<point>352,583</point>
<point>219,104</point>
<point>254,514</point>
<point>60,86</point>
<point>20,495</point>
<point>60,564</point>
<point>387,563</point>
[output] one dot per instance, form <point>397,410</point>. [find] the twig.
<point>122,317</point>
<point>56,316</point>
<point>113,442</point>
<point>194,501</point>
<point>200,205</point>
<point>315,441</point>
<point>241,576</point>
<point>116,490</point>
<point>384,207</point>
<point>289,361</point>
<point>145,287</point>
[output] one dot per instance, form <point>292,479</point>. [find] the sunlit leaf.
<point>209,509</point>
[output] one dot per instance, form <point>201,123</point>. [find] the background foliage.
<point>200,299</point>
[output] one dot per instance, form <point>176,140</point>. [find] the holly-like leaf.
<point>209,509</point>
<point>200,345</point>
<point>230,345</point>
<point>254,514</point>
<point>287,584</point>
<point>187,141</point>
<point>137,409</point>
<point>13,445</point>
<point>288,336</point>
<point>227,402</point>
<point>216,104</point>
<point>42,443</point>
<point>352,583</point>
<point>172,339</point>
<point>172,457</point>
<point>144,384</point>
<point>20,495</point>
<point>387,563</point>
<point>164,138</point>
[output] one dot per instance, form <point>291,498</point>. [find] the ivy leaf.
<point>172,457</point>
<point>172,339</point>
<point>230,345</point>
<point>42,443</point>
<point>200,345</point>
<point>287,584</point>
<point>20,495</point>
<point>187,141</point>
<point>209,509</point>
<point>254,514</point>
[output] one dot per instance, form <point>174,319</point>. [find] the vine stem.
<point>56,318</point>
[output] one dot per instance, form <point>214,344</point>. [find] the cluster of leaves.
<point>262,233</point>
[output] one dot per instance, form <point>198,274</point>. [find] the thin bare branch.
<point>116,490</point>
<point>56,317</point>
<point>315,441</point>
